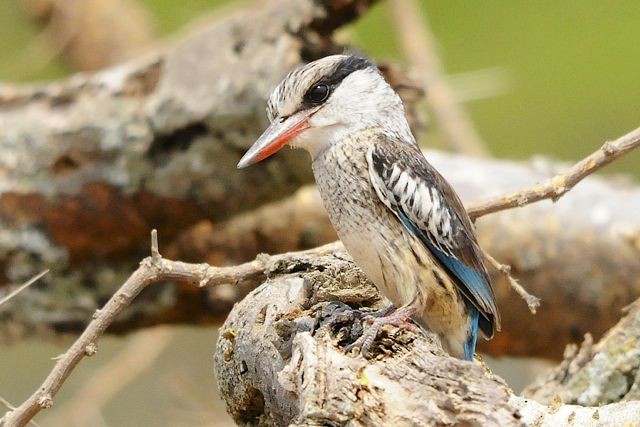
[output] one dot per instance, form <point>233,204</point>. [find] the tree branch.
<point>532,301</point>
<point>152,270</point>
<point>606,372</point>
<point>22,287</point>
<point>556,187</point>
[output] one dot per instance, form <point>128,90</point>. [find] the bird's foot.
<point>378,313</point>
<point>397,317</point>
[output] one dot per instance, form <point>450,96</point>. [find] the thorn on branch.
<point>45,401</point>
<point>91,349</point>
<point>205,277</point>
<point>559,185</point>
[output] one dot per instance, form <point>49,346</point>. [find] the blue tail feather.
<point>472,339</point>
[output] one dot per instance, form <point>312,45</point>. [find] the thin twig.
<point>553,189</point>
<point>8,405</point>
<point>420,51</point>
<point>149,272</point>
<point>23,287</point>
<point>556,187</point>
<point>533,302</point>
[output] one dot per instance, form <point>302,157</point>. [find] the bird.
<point>398,218</point>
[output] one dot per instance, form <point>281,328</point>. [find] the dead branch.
<point>152,270</point>
<point>535,414</point>
<point>532,301</point>
<point>556,187</point>
<point>9,406</point>
<point>22,287</point>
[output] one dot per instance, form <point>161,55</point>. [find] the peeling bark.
<point>280,361</point>
<point>277,362</point>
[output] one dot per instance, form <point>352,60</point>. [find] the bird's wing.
<point>429,208</point>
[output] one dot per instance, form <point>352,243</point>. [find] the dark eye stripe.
<point>345,67</point>
<point>332,80</point>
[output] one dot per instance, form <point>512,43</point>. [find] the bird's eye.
<point>317,94</point>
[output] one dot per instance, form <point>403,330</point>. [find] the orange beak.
<point>275,137</point>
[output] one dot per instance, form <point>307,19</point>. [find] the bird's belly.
<point>369,252</point>
<point>404,272</point>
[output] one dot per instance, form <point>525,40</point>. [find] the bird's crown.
<point>313,83</point>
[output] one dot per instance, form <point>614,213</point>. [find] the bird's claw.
<point>398,317</point>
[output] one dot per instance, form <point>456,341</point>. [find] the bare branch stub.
<point>155,252</point>
<point>532,301</point>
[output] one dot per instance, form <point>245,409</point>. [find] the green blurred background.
<point>551,78</point>
<point>560,78</point>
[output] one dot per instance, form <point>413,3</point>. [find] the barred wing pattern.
<point>429,208</point>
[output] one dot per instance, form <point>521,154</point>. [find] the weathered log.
<point>606,372</point>
<point>280,360</point>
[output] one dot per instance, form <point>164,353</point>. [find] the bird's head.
<point>322,102</point>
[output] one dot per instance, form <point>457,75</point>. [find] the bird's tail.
<point>472,338</point>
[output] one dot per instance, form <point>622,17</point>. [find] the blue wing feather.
<point>473,284</point>
<point>470,344</point>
